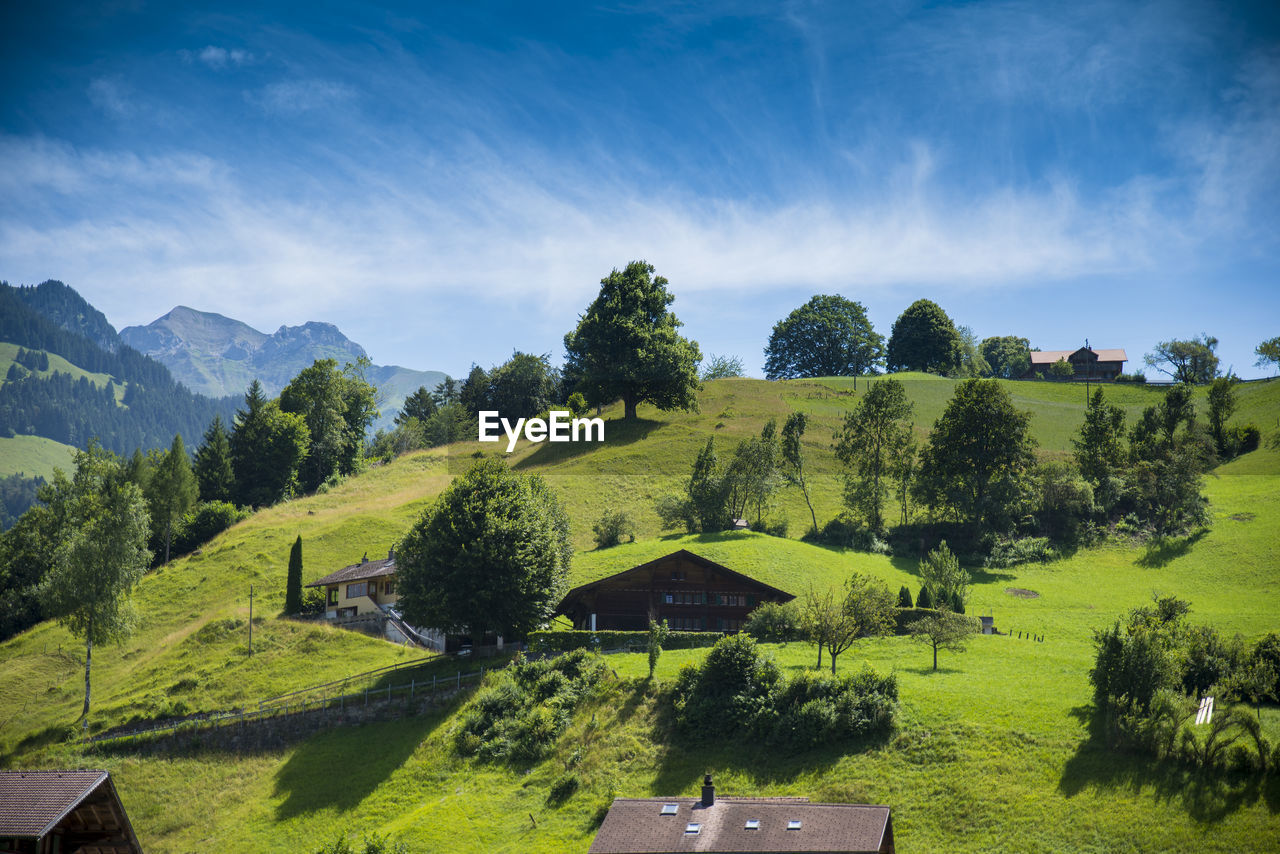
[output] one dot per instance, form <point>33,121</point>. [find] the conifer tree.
<point>293,582</point>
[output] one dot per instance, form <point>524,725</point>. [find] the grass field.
<point>992,752</point>
<point>34,456</point>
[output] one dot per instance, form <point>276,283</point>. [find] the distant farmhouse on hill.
<point>691,593</point>
<point>363,597</point>
<point>1087,363</point>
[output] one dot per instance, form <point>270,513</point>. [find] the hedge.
<point>565,641</point>
<point>907,616</point>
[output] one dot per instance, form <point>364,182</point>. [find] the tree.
<point>924,339</point>
<point>904,598</point>
<point>1061,370</point>
<point>491,554</point>
<point>1268,353</point>
<point>793,460</point>
<point>979,456</point>
<point>657,637</point>
<point>722,368</point>
<point>707,495</point>
<point>946,580</point>
<point>293,580</point>
<point>612,527</point>
<point>1099,450</point>
<point>943,630</point>
<point>865,610</point>
<point>1008,356</point>
<point>473,394</point>
<point>337,407</point>
<point>752,476</point>
<point>215,477</point>
<point>1169,452</point>
<point>626,345</point>
<point>100,553</point>
<point>972,362</point>
<point>873,439</point>
<point>171,491</point>
<point>1187,361</point>
<point>523,386</point>
<point>829,336</point>
<point>420,405</point>
<point>1222,403</point>
<point>445,392</point>
<point>267,449</point>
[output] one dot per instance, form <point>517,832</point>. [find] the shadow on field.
<point>617,434</point>
<point>1206,796</point>
<point>342,767</point>
<point>1162,551</point>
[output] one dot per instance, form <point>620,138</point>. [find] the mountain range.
<point>218,356</point>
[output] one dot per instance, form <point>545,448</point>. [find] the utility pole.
<point>251,621</point>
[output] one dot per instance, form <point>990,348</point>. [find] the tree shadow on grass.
<point>618,433</point>
<point>341,767</point>
<point>1162,551</point>
<point>1208,796</point>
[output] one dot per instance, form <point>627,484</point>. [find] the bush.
<point>562,641</point>
<point>612,527</point>
<point>846,532</point>
<point>906,616</point>
<point>201,525</point>
<point>1242,439</point>
<point>1010,552</point>
<point>904,598</point>
<point>1135,377</point>
<point>736,694</point>
<point>773,622</point>
<point>1267,653</point>
<point>924,601</point>
<point>520,712</point>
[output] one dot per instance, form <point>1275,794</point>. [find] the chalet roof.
<point>32,803</point>
<point>637,826</point>
<point>684,554</point>
<point>360,571</point>
<point>1048,357</point>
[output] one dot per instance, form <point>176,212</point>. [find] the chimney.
<point>708,791</point>
<point>391,553</point>
<point>365,559</point>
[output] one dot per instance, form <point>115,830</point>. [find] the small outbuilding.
<point>663,825</point>
<point>63,812</point>
<point>690,592</point>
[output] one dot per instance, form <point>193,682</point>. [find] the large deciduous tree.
<point>874,438</point>
<point>977,463</point>
<point>627,345</point>
<point>337,406</point>
<point>491,554</point>
<point>1008,356</point>
<point>829,336</point>
<point>523,386</point>
<point>100,552</point>
<point>1268,353</point>
<point>923,338</point>
<point>1187,361</point>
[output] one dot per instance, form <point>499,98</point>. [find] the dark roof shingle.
<point>359,571</point>
<point>32,802</point>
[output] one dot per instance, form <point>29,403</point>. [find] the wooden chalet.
<point>1086,363</point>
<point>691,593</point>
<point>661,825</point>
<point>61,812</point>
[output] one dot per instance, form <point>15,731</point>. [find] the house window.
<point>389,586</point>
<point>670,598</point>
<point>360,588</point>
<point>333,596</point>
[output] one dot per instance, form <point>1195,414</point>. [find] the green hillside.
<point>34,455</point>
<point>991,752</point>
<point>57,364</point>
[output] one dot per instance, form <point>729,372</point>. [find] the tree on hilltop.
<point>923,338</point>
<point>1186,361</point>
<point>626,345</point>
<point>829,336</point>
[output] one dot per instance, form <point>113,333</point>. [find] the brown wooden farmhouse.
<point>61,812</point>
<point>691,593</point>
<point>1087,363</point>
<point>724,825</point>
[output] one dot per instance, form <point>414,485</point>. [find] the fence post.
<point>433,682</point>
<point>459,680</point>
<point>366,696</point>
<point>388,692</point>
<point>412,682</point>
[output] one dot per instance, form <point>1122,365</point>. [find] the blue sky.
<point>449,182</point>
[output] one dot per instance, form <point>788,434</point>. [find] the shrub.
<point>1010,552</point>
<point>773,622</point>
<point>924,600</point>
<point>520,712</point>
<point>612,527</point>
<point>846,532</point>
<point>1266,652</point>
<point>201,525</point>
<point>904,598</point>
<point>562,641</point>
<point>373,844</point>
<point>1242,439</point>
<point>1135,377</point>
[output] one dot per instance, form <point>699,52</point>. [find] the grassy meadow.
<point>991,752</point>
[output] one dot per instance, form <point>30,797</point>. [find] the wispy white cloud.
<point>217,57</point>
<point>111,96</point>
<point>293,97</point>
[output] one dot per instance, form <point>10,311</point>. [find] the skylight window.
<point>793,825</point>
<point>692,829</point>
<point>670,809</point>
<point>752,824</point>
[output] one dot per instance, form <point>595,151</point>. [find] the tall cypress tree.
<point>293,583</point>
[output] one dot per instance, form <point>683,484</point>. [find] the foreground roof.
<point>359,571</point>
<point>638,826</point>
<point>32,803</point>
